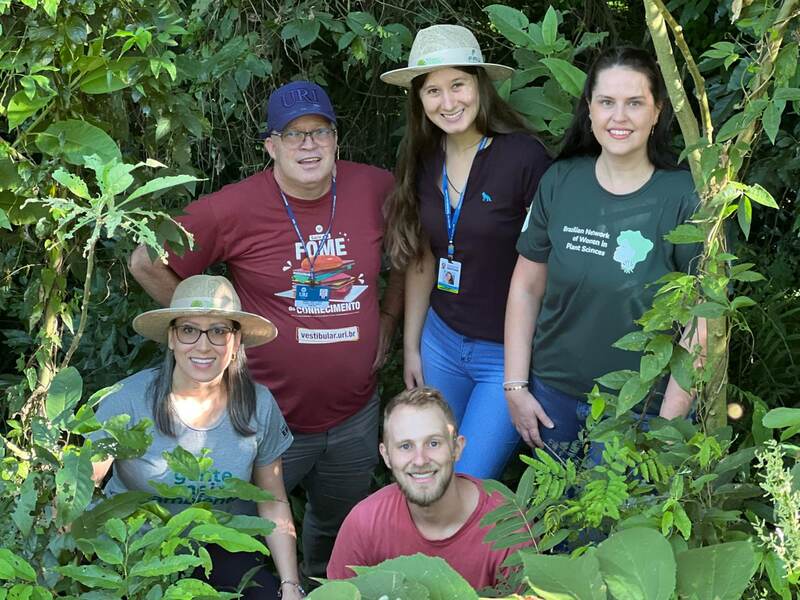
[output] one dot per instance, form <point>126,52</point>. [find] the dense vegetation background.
<point>181,87</point>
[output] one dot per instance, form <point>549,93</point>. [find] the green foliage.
<point>125,545</point>
<point>93,90</point>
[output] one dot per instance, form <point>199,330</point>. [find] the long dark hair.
<point>421,139</point>
<point>579,139</point>
<point>236,379</point>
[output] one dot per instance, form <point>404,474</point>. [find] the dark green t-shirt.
<point>601,251</point>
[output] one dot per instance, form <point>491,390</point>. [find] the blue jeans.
<point>469,373</point>
<point>569,414</point>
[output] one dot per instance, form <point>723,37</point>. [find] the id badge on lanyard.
<point>449,277</point>
<point>312,295</point>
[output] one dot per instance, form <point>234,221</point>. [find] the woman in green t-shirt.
<point>591,244</point>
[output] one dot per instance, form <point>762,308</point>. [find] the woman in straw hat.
<point>468,168</point>
<point>202,397</point>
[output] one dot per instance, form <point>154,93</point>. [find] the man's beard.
<point>430,495</point>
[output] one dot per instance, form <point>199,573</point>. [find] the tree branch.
<point>672,78</point>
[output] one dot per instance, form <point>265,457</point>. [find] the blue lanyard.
<point>290,212</point>
<point>450,215</point>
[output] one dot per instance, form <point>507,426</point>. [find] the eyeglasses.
<point>218,336</point>
<point>294,138</point>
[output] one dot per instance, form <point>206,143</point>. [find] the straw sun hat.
<point>442,46</point>
<point>205,296</point>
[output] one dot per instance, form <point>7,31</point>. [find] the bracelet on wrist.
<point>513,386</point>
<point>516,382</point>
<point>295,584</point>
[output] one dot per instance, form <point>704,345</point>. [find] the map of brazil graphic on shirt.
<point>632,248</point>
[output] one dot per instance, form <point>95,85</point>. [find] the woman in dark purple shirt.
<point>468,170</point>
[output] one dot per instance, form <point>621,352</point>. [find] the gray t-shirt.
<point>234,455</point>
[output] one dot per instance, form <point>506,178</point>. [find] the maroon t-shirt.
<point>501,185</point>
<point>380,527</point>
<point>319,368</point>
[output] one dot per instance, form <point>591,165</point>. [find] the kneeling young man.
<point>429,509</point>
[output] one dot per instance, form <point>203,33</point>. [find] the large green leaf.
<point>719,572</point>
<point>510,22</point>
<point>779,418</point>
<point>92,576</point>
<point>631,394</point>
<point>230,539</point>
<point>193,588</point>
<point>25,504</point>
<point>14,567</point>
<point>535,101</point>
<point>109,78</point>
<point>638,564</point>
<point>72,140</point>
<point>4,221</point>
<point>73,183</point>
<point>336,590</point>
<point>570,77</point>
<point>74,485</point>
<point>238,488</point>
<point>65,392</point>
<point>163,566</point>
<point>105,549</point>
<point>161,183</point>
<point>556,577</point>
<point>88,524</point>
<point>439,578</point>
<point>20,107</point>
<point>379,583</point>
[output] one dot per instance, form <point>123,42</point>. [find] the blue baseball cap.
<point>294,100</point>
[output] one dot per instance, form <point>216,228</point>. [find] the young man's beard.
<point>426,497</point>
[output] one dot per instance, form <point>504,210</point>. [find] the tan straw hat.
<point>441,46</point>
<point>205,296</point>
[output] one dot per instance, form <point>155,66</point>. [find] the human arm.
<point>155,277</point>
<point>677,401</point>
<point>100,469</point>
<point>420,278</point>
<point>524,302</point>
<point>282,541</point>
<point>390,312</point>
<point>349,548</point>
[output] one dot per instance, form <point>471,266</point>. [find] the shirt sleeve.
<point>210,245</point>
<point>538,161</point>
<point>116,403</point>
<point>349,549</point>
<point>534,241</point>
<point>274,434</point>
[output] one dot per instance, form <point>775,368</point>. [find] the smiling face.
<point>201,362</point>
<point>623,112</point>
<point>450,100</point>
<point>303,172</point>
<point>420,449</point>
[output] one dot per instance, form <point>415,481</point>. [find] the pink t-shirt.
<point>380,527</point>
<point>320,366</point>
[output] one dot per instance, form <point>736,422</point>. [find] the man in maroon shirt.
<point>429,509</point>
<point>302,242</point>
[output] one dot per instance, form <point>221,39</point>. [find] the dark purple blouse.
<point>500,188</point>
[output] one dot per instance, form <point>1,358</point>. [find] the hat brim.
<point>154,324</point>
<point>403,77</point>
